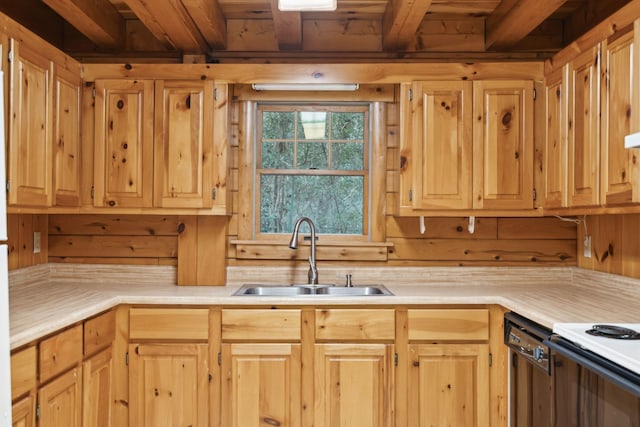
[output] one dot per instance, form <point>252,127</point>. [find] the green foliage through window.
<point>313,161</point>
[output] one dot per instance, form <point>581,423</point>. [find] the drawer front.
<point>60,352</point>
<point>23,371</point>
<point>186,324</point>
<point>355,324</point>
<point>265,325</point>
<point>99,332</point>
<point>449,325</point>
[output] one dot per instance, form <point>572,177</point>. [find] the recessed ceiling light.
<point>307,5</point>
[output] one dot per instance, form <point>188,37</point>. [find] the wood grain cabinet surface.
<point>23,412</point>
<point>467,146</point>
<point>30,107</point>
<point>60,401</point>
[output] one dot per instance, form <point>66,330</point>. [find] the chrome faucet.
<point>293,244</point>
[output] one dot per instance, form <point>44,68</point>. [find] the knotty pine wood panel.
<point>133,225</point>
<point>535,228</point>
<point>615,247</point>
<point>441,228</point>
<point>114,246</point>
<point>20,228</point>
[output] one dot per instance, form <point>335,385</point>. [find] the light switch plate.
<point>36,242</point>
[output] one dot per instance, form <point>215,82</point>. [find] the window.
<point>312,160</point>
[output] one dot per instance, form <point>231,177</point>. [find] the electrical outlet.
<point>587,246</point>
<point>36,242</point>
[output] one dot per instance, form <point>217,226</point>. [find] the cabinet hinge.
<point>215,94</point>
<point>219,359</point>
<point>410,195</point>
<point>126,358</point>
<point>490,359</point>
<point>10,56</point>
<point>410,94</point>
<point>38,411</point>
<point>92,191</point>
<point>395,359</point>
<point>214,193</point>
<point>8,186</point>
<point>535,195</point>
<point>535,94</point>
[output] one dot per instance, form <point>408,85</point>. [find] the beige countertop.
<point>44,299</point>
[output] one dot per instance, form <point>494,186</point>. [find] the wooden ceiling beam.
<point>505,29</point>
<point>588,16</point>
<point>401,20</point>
<point>288,28</point>
<point>98,20</point>
<point>208,17</point>
<point>169,22</point>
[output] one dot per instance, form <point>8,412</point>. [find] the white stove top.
<point>623,352</point>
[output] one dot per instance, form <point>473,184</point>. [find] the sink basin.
<point>310,290</point>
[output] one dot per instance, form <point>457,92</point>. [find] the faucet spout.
<point>293,244</point>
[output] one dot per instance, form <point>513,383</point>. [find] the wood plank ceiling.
<point>232,30</point>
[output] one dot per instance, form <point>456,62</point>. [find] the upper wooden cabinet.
<point>620,179</point>
<point>160,144</point>
<point>30,107</point>
<point>503,144</point>
<point>467,145</point>
<point>443,145</point>
<point>123,166</point>
<point>584,129</point>
<point>555,141</point>
<point>66,138</point>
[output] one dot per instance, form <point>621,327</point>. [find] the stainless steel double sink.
<point>311,290</point>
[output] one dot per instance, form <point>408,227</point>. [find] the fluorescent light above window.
<point>306,86</point>
<point>307,5</point>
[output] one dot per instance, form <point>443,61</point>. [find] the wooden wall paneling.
<point>212,250</point>
<point>441,228</point>
<point>325,252</point>
<point>114,246</point>
<point>536,228</point>
<point>560,252</point>
<point>133,225</point>
<point>400,22</point>
<point>13,231</point>
<point>25,241</point>
<point>40,224</point>
<point>631,246</point>
<point>251,35</point>
<point>187,250</point>
<point>342,35</point>
<point>438,33</point>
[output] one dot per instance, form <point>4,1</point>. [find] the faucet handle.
<point>348,284</point>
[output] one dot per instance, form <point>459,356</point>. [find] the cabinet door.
<point>168,385</point>
<point>619,165</point>
<point>183,161</point>
<point>23,412</point>
<point>503,144</point>
<point>262,386</point>
<point>442,145</point>
<point>584,130</point>
<point>66,138</point>
<point>449,385</point>
<point>123,167</point>
<point>97,390</point>
<point>60,401</point>
<point>555,144</point>
<point>353,385</point>
<point>29,129</point>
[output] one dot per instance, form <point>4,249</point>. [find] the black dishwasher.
<point>530,372</point>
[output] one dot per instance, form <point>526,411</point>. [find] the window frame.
<point>365,172</point>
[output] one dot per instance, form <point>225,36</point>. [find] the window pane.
<point>347,155</point>
<point>312,125</point>
<point>277,155</point>
<point>312,155</point>
<point>278,125</point>
<point>347,126</point>
<point>334,203</point>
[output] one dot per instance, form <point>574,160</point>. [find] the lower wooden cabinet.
<point>60,401</point>
<point>23,412</point>
<point>449,385</point>
<point>353,385</point>
<point>169,385</point>
<point>97,390</point>
<point>261,385</point>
